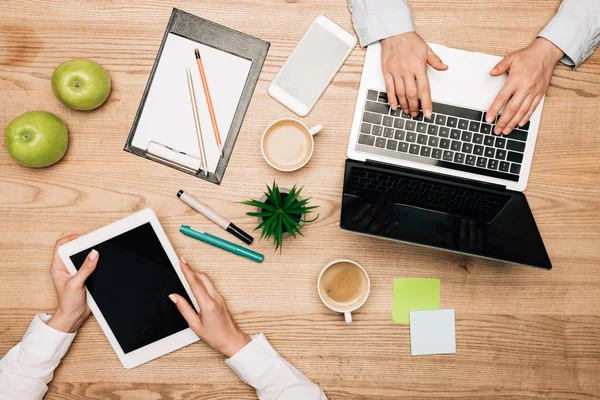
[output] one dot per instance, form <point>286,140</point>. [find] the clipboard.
<point>163,129</point>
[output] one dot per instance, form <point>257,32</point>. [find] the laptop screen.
<point>414,207</point>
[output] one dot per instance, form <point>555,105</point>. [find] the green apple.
<point>81,84</point>
<point>37,139</point>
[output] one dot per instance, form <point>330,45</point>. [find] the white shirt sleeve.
<point>379,19</point>
<point>261,367</point>
<point>575,29</point>
<point>27,368</point>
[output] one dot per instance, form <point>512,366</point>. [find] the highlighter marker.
<point>221,243</point>
<point>214,217</point>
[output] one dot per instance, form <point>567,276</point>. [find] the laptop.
<point>446,182</point>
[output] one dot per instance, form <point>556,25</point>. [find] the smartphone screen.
<point>311,67</point>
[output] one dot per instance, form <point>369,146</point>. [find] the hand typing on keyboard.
<point>529,72</point>
<point>404,61</point>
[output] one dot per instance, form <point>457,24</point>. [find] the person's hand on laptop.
<point>529,72</point>
<point>404,60</point>
<point>72,307</point>
<point>214,324</point>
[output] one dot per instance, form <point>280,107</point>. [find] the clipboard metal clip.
<point>173,157</point>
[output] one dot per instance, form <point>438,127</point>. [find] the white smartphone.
<point>312,65</point>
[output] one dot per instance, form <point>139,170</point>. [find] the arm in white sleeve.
<point>379,19</point>
<point>27,368</point>
<point>261,367</point>
<point>575,29</point>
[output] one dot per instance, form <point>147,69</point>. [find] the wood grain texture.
<point>521,333</point>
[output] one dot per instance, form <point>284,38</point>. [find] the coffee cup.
<point>344,287</point>
<point>287,144</point>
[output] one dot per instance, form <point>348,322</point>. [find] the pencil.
<point>209,100</point>
<point>190,82</point>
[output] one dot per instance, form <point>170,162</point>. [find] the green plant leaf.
<point>268,229</point>
<point>312,220</point>
<point>300,203</point>
<point>291,198</point>
<point>263,224</point>
<point>295,225</point>
<point>269,194</point>
<point>299,211</point>
<point>265,228</point>
<point>272,226</point>
<point>281,214</point>
<point>290,218</point>
<point>302,207</point>
<point>276,200</point>
<point>288,227</point>
<point>298,231</point>
<point>260,214</point>
<point>278,233</point>
<point>259,204</point>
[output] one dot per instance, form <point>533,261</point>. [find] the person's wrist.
<point>235,344</point>
<point>397,38</point>
<point>64,322</point>
<point>553,52</point>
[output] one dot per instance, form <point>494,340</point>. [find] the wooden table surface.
<point>521,333</point>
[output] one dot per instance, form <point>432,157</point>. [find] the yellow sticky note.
<point>414,294</point>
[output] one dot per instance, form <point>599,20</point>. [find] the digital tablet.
<point>128,292</point>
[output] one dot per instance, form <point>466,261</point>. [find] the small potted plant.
<point>281,213</point>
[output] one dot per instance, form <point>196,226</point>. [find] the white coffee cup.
<point>299,148</point>
<point>354,305</point>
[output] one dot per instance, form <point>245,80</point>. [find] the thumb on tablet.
<point>188,313</point>
<point>86,269</point>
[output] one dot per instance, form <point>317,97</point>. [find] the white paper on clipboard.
<point>167,117</point>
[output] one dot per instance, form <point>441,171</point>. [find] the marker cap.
<point>240,234</point>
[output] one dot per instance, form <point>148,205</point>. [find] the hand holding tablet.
<point>214,324</point>
<point>128,291</point>
<point>72,307</point>
<point>130,272</point>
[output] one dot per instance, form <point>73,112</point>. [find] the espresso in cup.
<point>287,144</point>
<point>344,287</point>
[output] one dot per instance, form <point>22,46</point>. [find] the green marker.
<point>221,243</point>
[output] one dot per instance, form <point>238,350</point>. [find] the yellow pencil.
<point>190,82</point>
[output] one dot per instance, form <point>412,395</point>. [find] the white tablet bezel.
<point>160,347</point>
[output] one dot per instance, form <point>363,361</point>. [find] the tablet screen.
<point>131,286</point>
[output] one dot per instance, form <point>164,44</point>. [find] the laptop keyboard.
<point>454,137</point>
<point>469,203</point>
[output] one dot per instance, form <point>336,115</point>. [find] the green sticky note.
<point>414,294</point>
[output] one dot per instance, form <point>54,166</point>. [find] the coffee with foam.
<point>287,145</point>
<point>344,285</point>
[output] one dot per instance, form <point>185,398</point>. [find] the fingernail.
<point>428,114</point>
<point>173,298</point>
<point>414,114</point>
<point>489,119</point>
<point>93,255</point>
<point>497,131</point>
<point>183,260</point>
